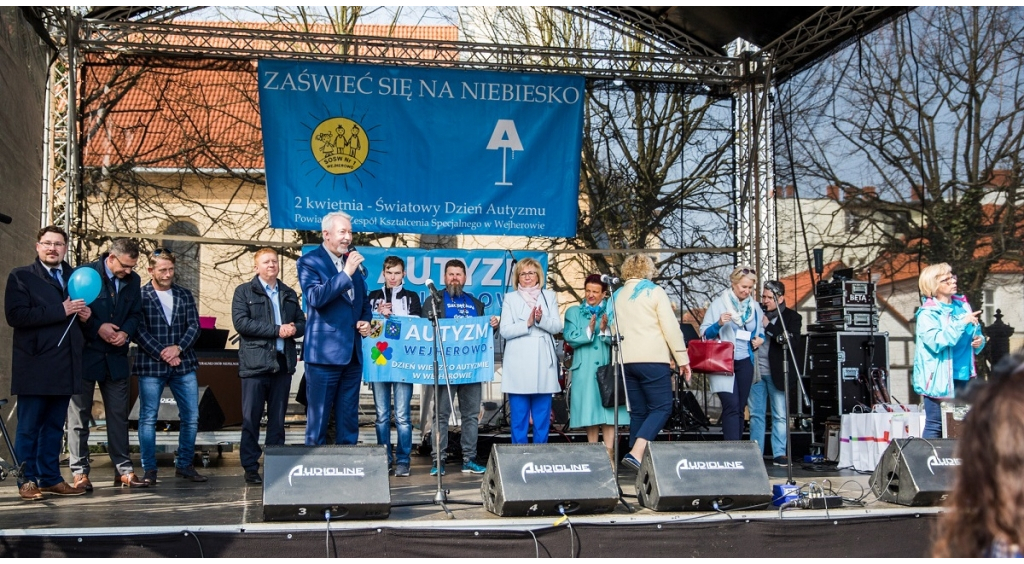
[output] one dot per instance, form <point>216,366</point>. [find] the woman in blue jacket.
<point>948,337</point>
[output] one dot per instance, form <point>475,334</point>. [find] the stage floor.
<point>226,505</point>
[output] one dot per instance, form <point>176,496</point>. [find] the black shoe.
<point>630,461</point>
<point>253,477</point>
<point>781,461</point>
<point>150,477</point>
<point>189,473</point>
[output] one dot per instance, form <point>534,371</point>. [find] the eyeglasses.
<point>123,265</point>
<point>52,244</point>
<point>948,279</point>
<point>528,274</point>
<point>747,271</point>
<point>161,251</point>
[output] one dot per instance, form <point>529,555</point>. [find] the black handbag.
<point>606,384</point>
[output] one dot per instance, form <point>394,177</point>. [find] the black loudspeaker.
<point>702,476</point>
<point>211,416</point>
<point>539,479</point>
<point>915,471</point>
<point>301,483</point>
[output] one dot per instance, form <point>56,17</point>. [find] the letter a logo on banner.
<point>505,137</point>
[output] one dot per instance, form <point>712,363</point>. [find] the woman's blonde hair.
<point>527,262</point>
<point>742,272</point>
<point>638,266</point>
<point>930,278</point>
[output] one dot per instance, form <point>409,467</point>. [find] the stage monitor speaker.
<point>211,416</point>
<point>702,476</point>
<point>300,483</point>
<point>531,480</point>
<point>915,471</point>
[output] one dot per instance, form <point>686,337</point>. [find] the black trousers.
<point>270,391</point>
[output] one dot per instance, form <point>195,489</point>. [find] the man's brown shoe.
<point>82,482</point>
<point>129,480</point>
<point>29,491</point>
<point>62,488</point>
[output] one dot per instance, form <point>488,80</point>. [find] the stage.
<point>224,517</point>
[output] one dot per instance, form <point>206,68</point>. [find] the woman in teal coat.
<point>587,330</point>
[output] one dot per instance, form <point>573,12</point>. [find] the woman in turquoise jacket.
<point>587,330</point>
<point>948,337</point>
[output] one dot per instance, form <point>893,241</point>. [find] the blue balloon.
<point>85,284</point>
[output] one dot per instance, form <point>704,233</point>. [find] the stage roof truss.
<point>127,39</point>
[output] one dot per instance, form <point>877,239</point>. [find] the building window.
<point>990,307</point>
<point>186,267</point>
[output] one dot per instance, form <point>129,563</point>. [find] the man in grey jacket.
<point>267,316</point>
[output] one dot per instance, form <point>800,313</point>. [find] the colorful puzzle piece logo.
<point>381,353</point>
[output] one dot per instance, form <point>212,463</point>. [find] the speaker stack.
<point>915,471</point>
<point>702,476</point>
<point>547,479</point>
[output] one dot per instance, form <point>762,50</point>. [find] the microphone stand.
<point>787,346</point>
<point>620,372</point>
<point>440,494</point>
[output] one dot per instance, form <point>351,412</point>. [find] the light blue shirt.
<point>275,299</point>
<point>60,272</point>
<point>110,275</point>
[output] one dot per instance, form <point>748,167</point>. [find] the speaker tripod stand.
<point>6,469</point>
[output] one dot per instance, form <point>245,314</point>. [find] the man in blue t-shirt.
<point>454,304</point>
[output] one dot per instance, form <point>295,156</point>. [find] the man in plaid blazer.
<point>166,357</point>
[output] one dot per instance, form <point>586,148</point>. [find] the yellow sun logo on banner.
<point>340,145</point>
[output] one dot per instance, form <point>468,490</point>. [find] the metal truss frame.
<point>817,36</point>
<point>146,36</point>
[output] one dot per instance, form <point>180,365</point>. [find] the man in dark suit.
<point>267,315</point>
<point>116,315</point>
<point>167,335</point>
<point>46,366</point>
<point>771,357</point>
<point>334,288</point>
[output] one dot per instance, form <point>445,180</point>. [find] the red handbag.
<point>710,357</point>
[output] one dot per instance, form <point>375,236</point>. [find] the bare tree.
<point>931,111</point>
<point>655,163</point>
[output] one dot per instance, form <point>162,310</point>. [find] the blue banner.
<point>421,150</point>
<point>488,273</point>
<point>401,349</point>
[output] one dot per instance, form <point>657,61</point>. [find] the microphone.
<point>5,218</point>
<point>433,290</point>
<point>609,279</point>
<point>362,269</point>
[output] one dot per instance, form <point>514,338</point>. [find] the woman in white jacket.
<point>529,321</point>
<point>734,316</point>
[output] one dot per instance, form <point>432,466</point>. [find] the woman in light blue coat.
<point>948,337</point>
<point>529,321</point>
<point>587,332</point>
<point>735,317</point>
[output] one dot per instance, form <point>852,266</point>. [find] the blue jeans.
<point>649,388</point>
<point>522,407</point>
<point>333,386</point>
<point>382,394</point>
<point>760,394</point>
<point>186,393</point>
<point>933,412</point>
